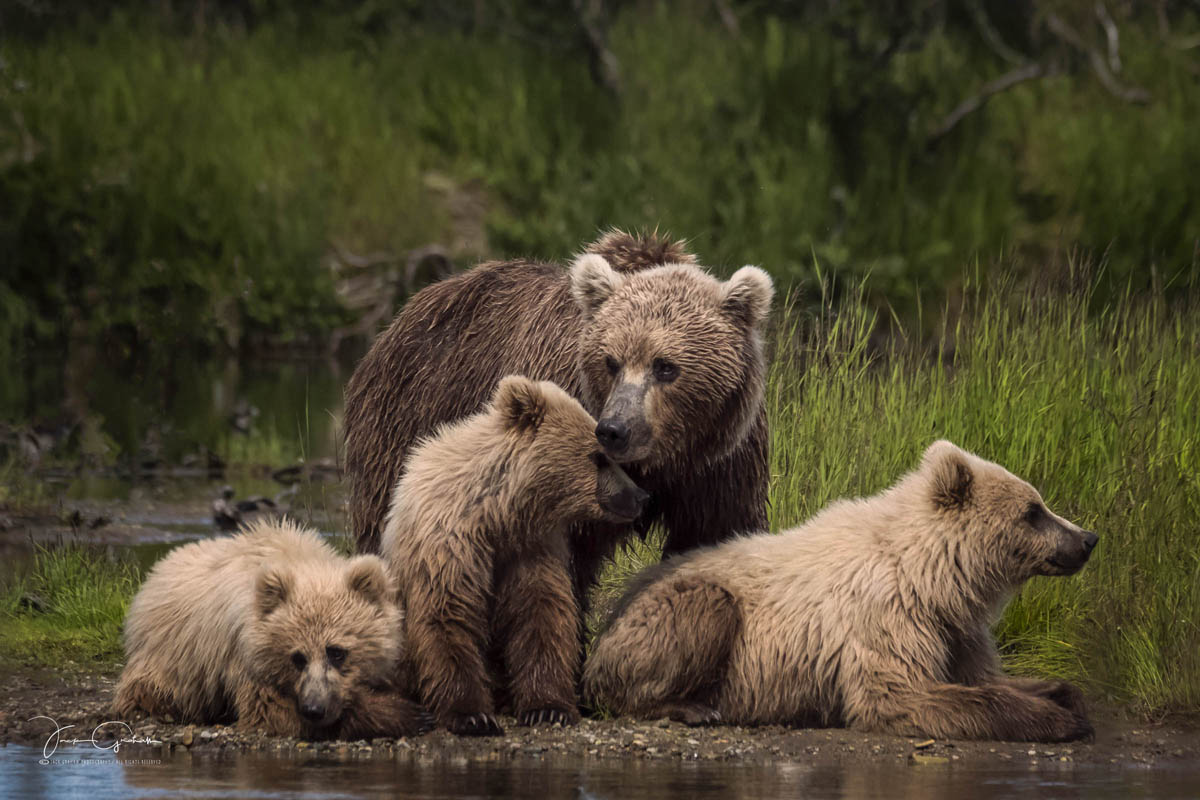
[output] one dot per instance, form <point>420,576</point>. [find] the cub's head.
<point>322,634</point>
<point>1018,536</point>
<point>560,471</point>
<point>671,359</point>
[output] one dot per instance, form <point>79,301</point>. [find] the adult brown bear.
<point>666,357</point>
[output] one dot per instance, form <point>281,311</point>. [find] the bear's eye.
<point>336,655</point>
<point>664,371</point>
<point>1033,515</point>
<point>299,660</point>
<point>612,365</point>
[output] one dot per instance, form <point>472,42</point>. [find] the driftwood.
<point>602,62</point>
<point>373,286</point>
<point>976,101</point>
<point>1104,68</point>
<point>1130,94</point>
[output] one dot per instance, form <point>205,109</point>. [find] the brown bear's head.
<point>558,470</point>
<point>322,636</point>
<point>1003,518</point>
<point>671,359</point>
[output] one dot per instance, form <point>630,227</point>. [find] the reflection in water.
<point>231,775</point>
<point>171,413</point>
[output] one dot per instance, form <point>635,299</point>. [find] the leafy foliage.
<point>177,179</point>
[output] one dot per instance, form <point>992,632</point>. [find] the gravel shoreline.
<point>82,701</point>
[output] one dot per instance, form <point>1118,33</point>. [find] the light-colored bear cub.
<point>875,615</point>
<point>273,629</point>
<point>477,539</point>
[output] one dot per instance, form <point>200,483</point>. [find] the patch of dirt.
<point>82,700</point>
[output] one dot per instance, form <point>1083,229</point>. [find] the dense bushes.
<point>172,182</point>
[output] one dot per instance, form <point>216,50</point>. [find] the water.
<point>129,448</point>
<point>145,773</point>
<point>132,415</point>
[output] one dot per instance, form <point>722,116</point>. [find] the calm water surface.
<point>87,773</point>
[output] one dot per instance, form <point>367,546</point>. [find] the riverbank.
<point>79,699</point>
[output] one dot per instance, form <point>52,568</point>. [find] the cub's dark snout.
<point>1075,547</point>
<point>312,712</point>
<point>618,495</point>
<point>629,502</point>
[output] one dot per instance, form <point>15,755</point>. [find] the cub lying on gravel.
<point>873,615</point>
<point>272,628</point>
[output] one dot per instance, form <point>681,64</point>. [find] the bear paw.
<point>474,725</point>
<point>1068,726</point>
<point>548,716</point>
<point>1067,696</point>
<point>425,722</point>
<point>1080,730</point>
<point>693,715</point>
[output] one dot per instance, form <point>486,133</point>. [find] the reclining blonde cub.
<point>874,615</point>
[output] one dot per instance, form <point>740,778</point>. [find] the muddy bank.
<point>82,701</point>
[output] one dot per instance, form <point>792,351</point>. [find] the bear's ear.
<point>593,281</point>
<point>367,576</point>
<point>950,475</point>
<point>271,589</point>
<point>520,402</point>
<point>746,296</point>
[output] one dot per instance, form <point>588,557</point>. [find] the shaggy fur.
<point>703,451</point>
<point>875,614</point>
<point>272,628</point>
<point>477,539</point>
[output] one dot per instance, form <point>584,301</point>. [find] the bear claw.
<point>548,716</point>
<point>474,725</point>
<point>425,722</point>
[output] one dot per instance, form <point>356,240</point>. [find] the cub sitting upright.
<point>873,615</point>
<point>477,540</point>
<point>272,628</point>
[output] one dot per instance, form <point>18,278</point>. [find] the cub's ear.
<point>950,475</point>
<point>367,576</point>
<point>593,281</point>
<point>520,402</point>
<point>746,296</point>
<point>272,588</point>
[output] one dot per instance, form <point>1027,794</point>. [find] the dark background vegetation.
<point>241,174</point>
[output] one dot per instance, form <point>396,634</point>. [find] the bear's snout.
<point>312,712</point>
<point>627,504</point>
<point>617,494</point>
<point>623,430</point>
<point>1075,547</point>
<point>319,699</point>
<point>613,435</point>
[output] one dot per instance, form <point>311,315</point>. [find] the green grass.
<point>81,594</point>
<point>19,490</point>
<point>1100,411</point>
